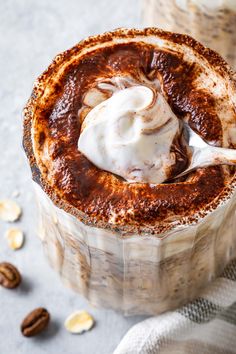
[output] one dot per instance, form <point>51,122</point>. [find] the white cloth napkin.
<point>205,326</point>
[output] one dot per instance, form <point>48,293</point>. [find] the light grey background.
<point>31,34</point>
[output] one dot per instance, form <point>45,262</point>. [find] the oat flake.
<point>9,210</point>
<point>79,321</point>
<point>15,238</point>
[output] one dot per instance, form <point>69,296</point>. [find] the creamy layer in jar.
<point>212,22</point>
<point>104,135</point>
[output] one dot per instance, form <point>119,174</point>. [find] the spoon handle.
<point>209,156</point>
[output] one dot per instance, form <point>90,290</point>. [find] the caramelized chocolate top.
<point>196,83</point>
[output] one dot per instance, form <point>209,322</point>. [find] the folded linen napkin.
<point>204,326</point>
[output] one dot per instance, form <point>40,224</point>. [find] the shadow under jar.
<point>140,248</point>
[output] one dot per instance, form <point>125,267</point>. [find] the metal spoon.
<point>204,154</point>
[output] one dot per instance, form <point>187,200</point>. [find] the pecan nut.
<point>9,275</point>
<point>35,322</point>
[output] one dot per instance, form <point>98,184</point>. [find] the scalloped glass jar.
<point>137,274</point>
<point>210,22</point>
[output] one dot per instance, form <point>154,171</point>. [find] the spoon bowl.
<point>204,155</point>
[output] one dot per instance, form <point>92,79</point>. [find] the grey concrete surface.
<point>31,34</point>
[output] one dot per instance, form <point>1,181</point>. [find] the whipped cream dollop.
<point>131,135</point>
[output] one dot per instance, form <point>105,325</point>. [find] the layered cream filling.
<point>212,5</point>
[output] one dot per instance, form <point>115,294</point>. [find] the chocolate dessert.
<point>104,134</point>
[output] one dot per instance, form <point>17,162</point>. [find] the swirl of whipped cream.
<point>131,135</point>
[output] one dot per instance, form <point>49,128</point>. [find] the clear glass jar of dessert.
<point>212,22</point>
<point>138,246</point>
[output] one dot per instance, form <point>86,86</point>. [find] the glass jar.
<point>137,274</point>
<point>212,22</point>
<point>131,267</point>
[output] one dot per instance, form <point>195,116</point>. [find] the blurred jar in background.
<point>212,22</point>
